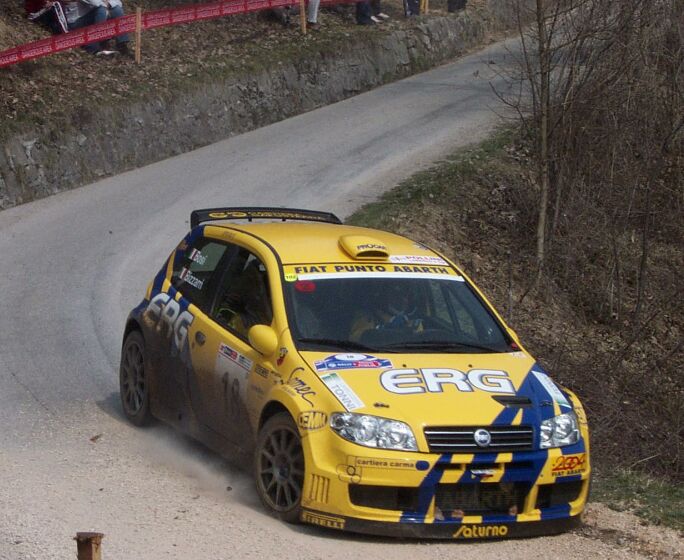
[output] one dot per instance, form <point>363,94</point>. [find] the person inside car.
<point>247,302</point>
<point>390,307</point>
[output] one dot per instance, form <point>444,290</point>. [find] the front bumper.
<point>447,496</point>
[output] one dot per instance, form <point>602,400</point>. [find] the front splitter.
<point>443,530</point>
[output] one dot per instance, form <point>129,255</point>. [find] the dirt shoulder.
<point>626,532</point>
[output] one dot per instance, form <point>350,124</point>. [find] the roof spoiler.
<point>251,213</point>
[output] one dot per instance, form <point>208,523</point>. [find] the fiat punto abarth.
<point>372,383</point>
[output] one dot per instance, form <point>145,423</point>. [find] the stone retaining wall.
<point>42,161</point>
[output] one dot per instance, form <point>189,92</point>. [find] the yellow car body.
<point>218,379</point>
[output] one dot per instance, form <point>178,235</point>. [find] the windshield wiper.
<point>443,345</point>
<point>342,344</point>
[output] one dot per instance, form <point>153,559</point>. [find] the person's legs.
<point>411,7</point>
<point>114,13</point>
<point>96,15</point>
<point>312,11</point>
<point>363,13</point>
<point>377,15</point>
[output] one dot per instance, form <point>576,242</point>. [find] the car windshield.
<point>391,313</point>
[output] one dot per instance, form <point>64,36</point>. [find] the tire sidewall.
<point>143,417</point>
<point>280,420</point>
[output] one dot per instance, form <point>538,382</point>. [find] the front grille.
<point>467,499</point>
<point>481,499</point>
<point>461,439</point>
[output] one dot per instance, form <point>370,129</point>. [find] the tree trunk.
<point>543,164</point>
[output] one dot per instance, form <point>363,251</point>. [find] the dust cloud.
<point>209,472</point>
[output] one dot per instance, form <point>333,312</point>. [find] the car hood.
<point>441,389</point>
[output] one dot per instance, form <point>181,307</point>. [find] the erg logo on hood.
<point>433,380</point>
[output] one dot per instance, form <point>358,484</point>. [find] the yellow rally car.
<point>373,384</point>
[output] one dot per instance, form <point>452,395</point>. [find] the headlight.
<point>373,431</point>
<point>560,431</point>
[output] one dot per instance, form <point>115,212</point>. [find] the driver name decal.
<point>434,380</point>
<point>198,257</point>
<point>189,278</point>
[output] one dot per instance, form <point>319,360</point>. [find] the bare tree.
<point>605,120</point>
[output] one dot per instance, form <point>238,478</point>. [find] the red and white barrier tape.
<point>150,20</point>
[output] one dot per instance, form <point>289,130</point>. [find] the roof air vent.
<point>362,247</point>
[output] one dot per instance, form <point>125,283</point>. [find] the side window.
<point>243,297</point>
<point>472,317</point>
<point>194,271</point>
<point>448,308</point>
<point>439,307</point>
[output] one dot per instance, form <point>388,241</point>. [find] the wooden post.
<point>138,35</point>
<point>426,7</point>
<point>302,15</point>
<point>88,545</point>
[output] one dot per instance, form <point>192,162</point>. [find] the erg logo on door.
<point>167,311</point>
<point>433,380</point>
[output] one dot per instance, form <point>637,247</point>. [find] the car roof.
<point>307,242</point>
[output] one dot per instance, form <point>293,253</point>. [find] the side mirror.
<point>263,339</point>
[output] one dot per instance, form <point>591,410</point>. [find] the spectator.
<point>312,14</point>
<point>378,15</point>
<point>47,13</point>
<point>368,12</point>
<point>81,13</point>
<point>412,7</point>
<point>364,13</point>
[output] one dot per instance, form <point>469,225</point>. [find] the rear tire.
<point>133,380</point>
<point>279,468</point>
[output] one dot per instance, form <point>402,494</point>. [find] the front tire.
<point>133,380</point>
<point>279,467</point>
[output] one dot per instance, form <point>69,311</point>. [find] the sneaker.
<point>104,52</point>
<point>376,19</point>
<point>313,26</point>
<point>383,15</point>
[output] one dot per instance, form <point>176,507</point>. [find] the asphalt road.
<point>74,264</point>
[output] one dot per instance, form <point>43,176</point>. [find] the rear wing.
<point>252,213</point>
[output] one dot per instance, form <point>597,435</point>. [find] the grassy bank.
<point>655,499</point>
<point>479,208</point>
